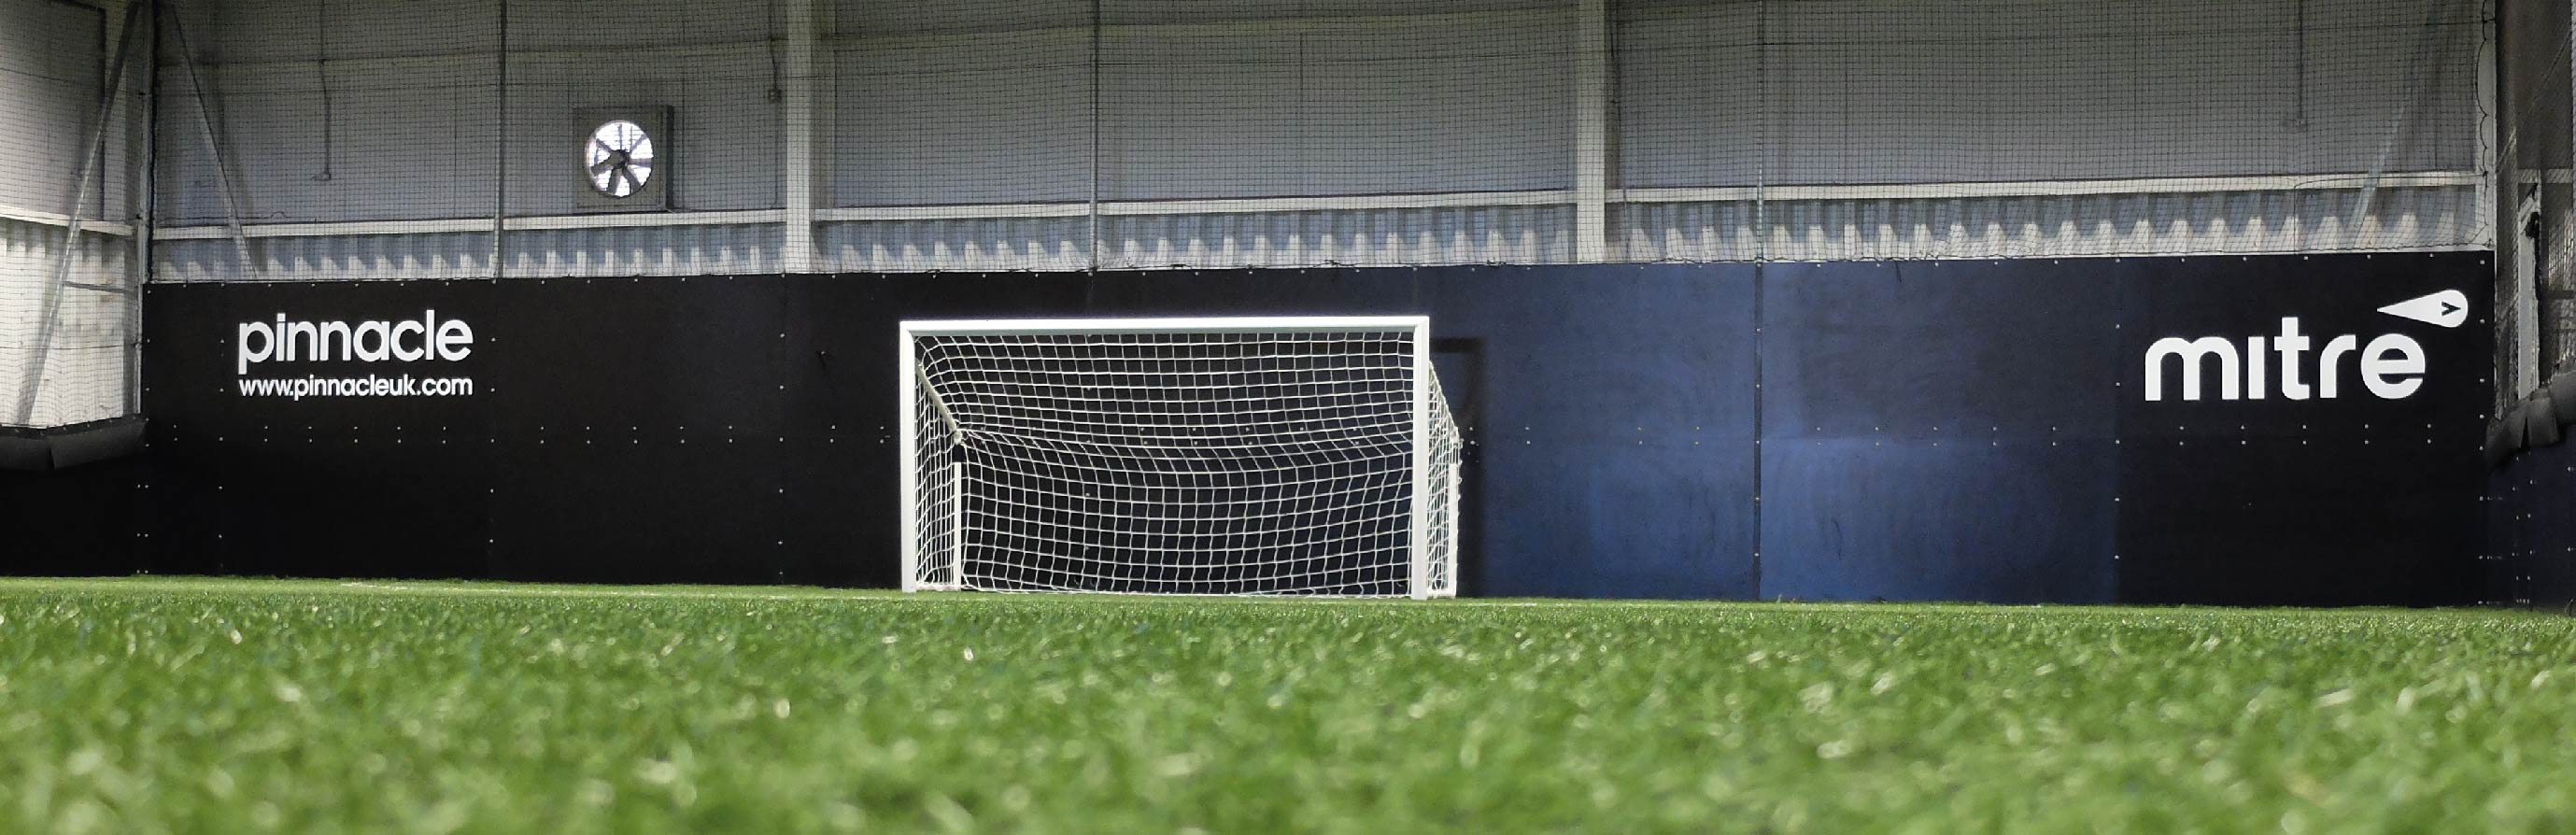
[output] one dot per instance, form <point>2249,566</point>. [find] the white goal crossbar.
<point>1253,455</point>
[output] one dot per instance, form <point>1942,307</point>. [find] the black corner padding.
<point>2540,420</point>
<point>62,447</point>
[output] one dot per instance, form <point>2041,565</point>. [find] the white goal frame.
<point>1430,574</point>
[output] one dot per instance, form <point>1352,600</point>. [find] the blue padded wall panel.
<point>1609,409</point>
<point>1605,520</point>
<point>1946,350</point>
<point>1995,521</point>
<point>1614,441</point>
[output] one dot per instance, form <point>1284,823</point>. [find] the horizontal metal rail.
<point>1362,202</point>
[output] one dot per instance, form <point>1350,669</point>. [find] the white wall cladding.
<point>385,130</point>
<point>723,151</point>
<point>984,134</point>
<point>1844,91</point>
<point>298,30</point>
<point>52,58</point>
<point>1377,104</point>
<point>2408,218</point>
<point>86,372</point>
<point>1221,99</point>
<point>409,139</point>
<point>990,117</point>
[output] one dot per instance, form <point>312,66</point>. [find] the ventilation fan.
<point>625,158</point>
<point>620,158</point>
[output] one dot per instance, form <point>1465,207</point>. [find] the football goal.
<point>1277,455</point>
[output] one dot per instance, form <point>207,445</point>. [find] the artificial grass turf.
<point>142,706</point>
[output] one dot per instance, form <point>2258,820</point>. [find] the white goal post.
<point>1256,455</point>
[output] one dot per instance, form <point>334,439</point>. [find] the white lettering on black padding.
<point>2391,366</point>
<point>409,340</point>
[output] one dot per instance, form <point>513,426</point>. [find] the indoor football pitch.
<point>148,705</point>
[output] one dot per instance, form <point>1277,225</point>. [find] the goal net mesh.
<point>1206,462</point>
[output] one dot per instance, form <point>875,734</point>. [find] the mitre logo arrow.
<point>2448,309</point>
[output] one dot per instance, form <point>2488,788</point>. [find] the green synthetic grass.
<point>146,706</point>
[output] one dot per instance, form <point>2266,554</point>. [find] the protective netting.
<point>407,139</point>
<point>67,142</point>
<point>385,139</point>
<point>2535,297</point>
<point>1267,457</point>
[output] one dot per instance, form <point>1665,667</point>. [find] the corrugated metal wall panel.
<point>543,253</point>
<point>86,375</point>
<point>2410,218</point>
<point>328,258</point>
<point>1368,237</point>
<point>1464,235</point>
<point>643,250</point>
<point>2401,218</point>
<point>1018,243</point>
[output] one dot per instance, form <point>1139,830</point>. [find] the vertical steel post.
<point>501,141</point>
<point>1592,133</point>
<point>143,202</point>
<point>806,102</point>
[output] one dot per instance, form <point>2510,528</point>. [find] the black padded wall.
<point>1913,430</point>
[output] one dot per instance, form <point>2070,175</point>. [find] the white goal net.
<point>1310,455</point>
